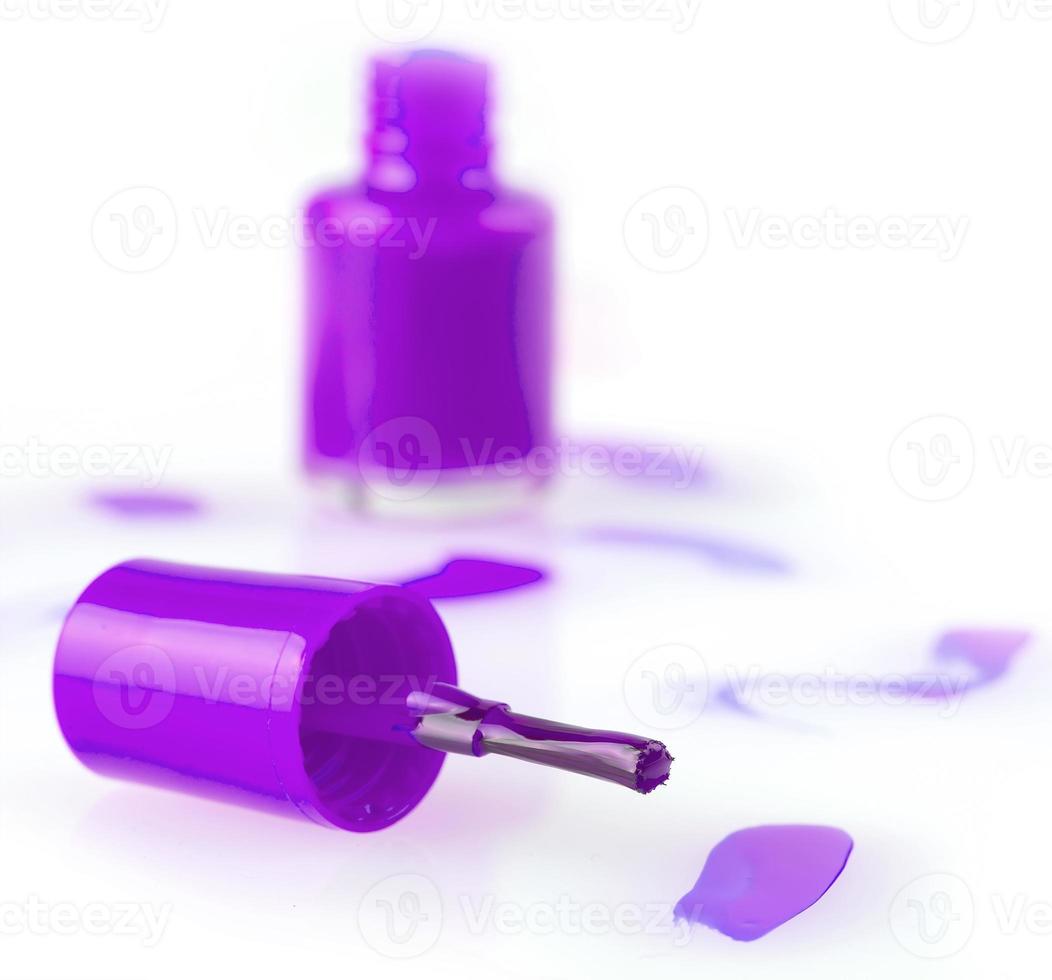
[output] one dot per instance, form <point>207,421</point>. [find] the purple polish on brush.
<point>311,697</point>
<point>429,291</point>
<point>756,879</point>
<point>462,577</point>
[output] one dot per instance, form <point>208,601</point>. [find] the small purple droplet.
<point>461,577</point>
<point>756,879</point>
<point>146,504</point>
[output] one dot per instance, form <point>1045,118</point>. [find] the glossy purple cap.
<point>207,680</point>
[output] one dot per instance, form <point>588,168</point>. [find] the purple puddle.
<point>146,504</point>
<point>759,878</point>
<point>462,577</point>
<point>727,554</point>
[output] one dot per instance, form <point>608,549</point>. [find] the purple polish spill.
<point>975,658</point>
<point>462,577</point>
<point>727,554</point>
<point>989,653</point>
<point>146,504</point>
<point>759,878</point>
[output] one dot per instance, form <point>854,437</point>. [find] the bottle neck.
<point>428,132</point>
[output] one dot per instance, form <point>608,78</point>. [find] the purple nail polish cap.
<point>204,681</point>
<point>319,698</point>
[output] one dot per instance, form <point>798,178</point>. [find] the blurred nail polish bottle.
<point>429,291</point>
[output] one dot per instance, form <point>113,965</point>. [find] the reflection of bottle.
<point>429,299</point>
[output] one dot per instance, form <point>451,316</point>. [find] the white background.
<point>794,366</point>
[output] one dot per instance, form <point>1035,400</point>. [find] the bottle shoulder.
<point>495,209</point>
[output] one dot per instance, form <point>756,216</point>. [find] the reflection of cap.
<point>200,680</point>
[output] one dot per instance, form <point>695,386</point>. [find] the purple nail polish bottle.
<point>311,697</point>
<point>429,289</point>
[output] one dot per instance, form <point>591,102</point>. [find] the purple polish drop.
<point>988,652</point>
<point>462,577</point>
<point>146,504</point>
<point>756,879</point>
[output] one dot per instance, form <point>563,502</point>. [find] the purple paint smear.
<point>719,551</point>
<point>756,879</point>
<point>979,656</point>
<point>989,653</point>
<point>461,577</point>
<point>146,504</point>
